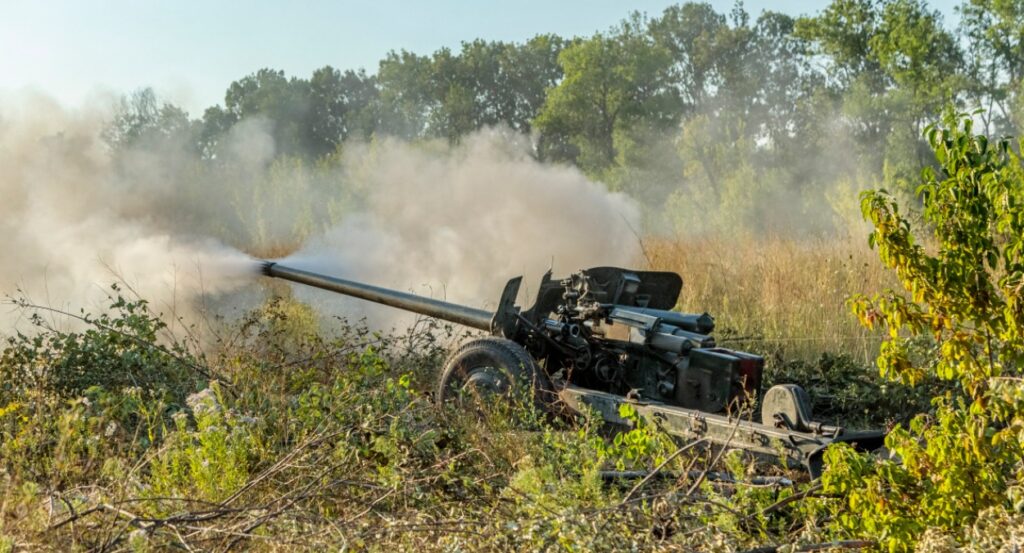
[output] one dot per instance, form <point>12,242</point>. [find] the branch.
<point>838,544</point>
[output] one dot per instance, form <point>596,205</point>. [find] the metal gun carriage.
<point>606,336</point>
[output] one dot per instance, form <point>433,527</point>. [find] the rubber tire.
<point>517,369</point>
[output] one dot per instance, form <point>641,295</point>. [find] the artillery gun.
<point>606,336</point>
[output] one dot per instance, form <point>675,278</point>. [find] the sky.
<point>189,51</point>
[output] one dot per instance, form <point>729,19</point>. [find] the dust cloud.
<point>452,222</point>
<point>457,223</point>
<point>70,228</point>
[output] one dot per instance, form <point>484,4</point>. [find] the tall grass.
<point>779,295</point>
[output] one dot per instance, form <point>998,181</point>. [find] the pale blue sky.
<point>190,50</point>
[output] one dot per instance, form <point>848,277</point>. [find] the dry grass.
<point>786,295</point>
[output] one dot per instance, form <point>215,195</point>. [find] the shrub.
<point>963,299</point>
<point>118,349</point>
<point>71,401</point>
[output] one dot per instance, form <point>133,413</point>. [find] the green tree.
<point>842,32</point>
<point>691,34</point>
<point>342,104</point>
<point>285,103</point>
<point>753,113</point>
<point>215,125</point>
<point>995,30</point>
<point>786,84</point>
<point>922,61</point>
<point>891,66</point>
<point>406,95</point>
<point>530,70</point>
<point>142,120</point>
<point>507,81</point>
<point>457,88</point>
<point>723,65</point>
<point>612,83</point>
<point>484,84</point>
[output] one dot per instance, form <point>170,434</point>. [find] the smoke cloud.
<point>457,223</point>
<point>451,222</point>
<point>70,227</point>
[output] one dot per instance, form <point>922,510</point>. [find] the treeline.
<point>691,109</point>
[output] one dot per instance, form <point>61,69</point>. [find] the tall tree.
<point>918,55</point>
<point>922,63</point>
<point>529,71</point>
<point>787,83</point>
<point>284,103</point>
<point>507,81</point>
<point>612,83</point>
<point>484,84</point>
<point>406,95</point>
<point>995,31</point>
<point>141,119</point>
<point>342,104</point>
<point>893,65</point>
<point>691,33</point>
<point>841,36</point>
<point>456,88</point>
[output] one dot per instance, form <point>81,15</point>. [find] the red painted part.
<point>751,369</point>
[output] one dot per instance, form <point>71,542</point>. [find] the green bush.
<point>209,462</point>
<point>963,300</point>
<point>71,401</point>
<point>118,349</point>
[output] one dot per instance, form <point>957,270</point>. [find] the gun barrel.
<point>459,314</point>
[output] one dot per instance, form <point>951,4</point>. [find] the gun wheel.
<point>486,368</point>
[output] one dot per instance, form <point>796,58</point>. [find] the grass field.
<point>284,436</point>
<point>785,295</point>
